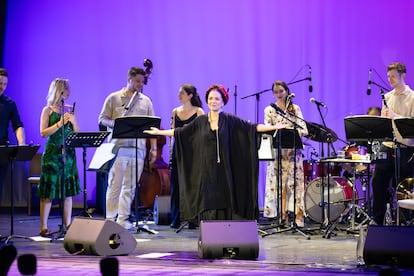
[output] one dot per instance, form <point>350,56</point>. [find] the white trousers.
<point>122,183</point>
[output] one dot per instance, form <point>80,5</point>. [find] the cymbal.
<point>405,189</point>
<point>319,133</point>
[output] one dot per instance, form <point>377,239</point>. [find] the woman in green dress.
<point>51,123</point>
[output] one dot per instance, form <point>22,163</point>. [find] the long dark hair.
<point>192,90</point>
<point>290,107</point>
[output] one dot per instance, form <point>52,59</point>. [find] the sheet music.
<point>103,154</point>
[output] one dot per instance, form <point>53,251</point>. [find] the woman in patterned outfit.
<point>51,123</point>
<point>271,117</point>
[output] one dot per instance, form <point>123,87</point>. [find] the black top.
<point>8,113</point>
<point>206,184</point>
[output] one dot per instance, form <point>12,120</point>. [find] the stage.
<point>171,253</point>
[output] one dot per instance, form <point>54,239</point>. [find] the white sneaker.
<point>126,224</point>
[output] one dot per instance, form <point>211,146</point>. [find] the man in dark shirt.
<point>8,113</point>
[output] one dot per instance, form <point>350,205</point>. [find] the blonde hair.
<point>56,89</point>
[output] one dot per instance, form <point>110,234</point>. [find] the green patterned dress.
<point>52,165</point>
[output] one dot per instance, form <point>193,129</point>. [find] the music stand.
<point>287,138</point>
<point>11,154</point>
<point>368,128</point>
<point>132,127</point>
<point>405,127</point>
<point>85,140</point>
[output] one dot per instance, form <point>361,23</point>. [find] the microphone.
<point>291,95</point>
<point>310,80</point>
<point>278,109</point>
<point>312,100</point>
<point>369,82</point>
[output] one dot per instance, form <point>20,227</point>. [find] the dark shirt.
<point>8,113</point>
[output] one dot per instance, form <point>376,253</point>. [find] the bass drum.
<point>340,192</point>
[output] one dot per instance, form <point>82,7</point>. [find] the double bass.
<point>155,178</point>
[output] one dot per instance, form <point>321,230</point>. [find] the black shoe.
<point>192,225</point>
<point>175,225</point>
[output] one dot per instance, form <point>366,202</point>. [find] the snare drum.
<point>340,192</point>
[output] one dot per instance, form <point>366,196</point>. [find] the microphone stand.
<point>327,202</point>
<point>257,95</point>
<point>397,152</point>
<point>396,147</point>
<point>235,99</point>
<point>293,82</point>
<point>62,229</point>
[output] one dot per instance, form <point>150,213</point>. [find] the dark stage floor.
<point>171,253</point>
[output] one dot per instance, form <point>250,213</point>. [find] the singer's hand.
<point>281,125</point>
<point>67,117</point>
<point>152,131</point>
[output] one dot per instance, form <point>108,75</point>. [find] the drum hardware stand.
<point>352,208</point>
<point>297,143</point>
<point>133,127</point>
<point>11,154</point>
<point>329,138</point>
<point>85,140</point>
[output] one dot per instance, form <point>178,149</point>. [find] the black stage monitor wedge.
<point>236,239</point>
<point>90,236</point>
<point>389,245</point>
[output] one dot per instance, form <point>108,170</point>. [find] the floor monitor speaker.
<point>228,239</point>
<point>389,245</point>
<point>91,236</point>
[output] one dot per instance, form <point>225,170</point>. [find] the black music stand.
<point>368,128</point>
<point>132,127</point>
<point>85,140</point>
<point>287,138</point>
<point>405,127</point>
<point>11,154</point>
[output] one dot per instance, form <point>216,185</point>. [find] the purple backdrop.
<point>244,44</point>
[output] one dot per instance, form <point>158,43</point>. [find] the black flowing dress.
<point>217,181</point>
<point>174,184</point>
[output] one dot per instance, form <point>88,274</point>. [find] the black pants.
<point>4,166</point>
<point>383,180</point>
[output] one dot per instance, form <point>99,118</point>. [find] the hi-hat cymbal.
<point>319,133</point>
